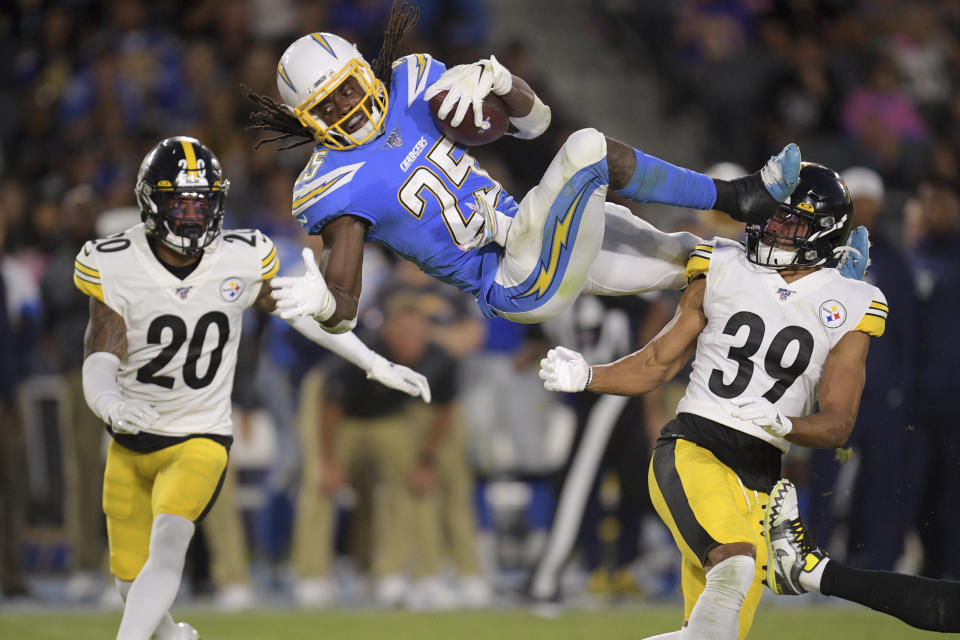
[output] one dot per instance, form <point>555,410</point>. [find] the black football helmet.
<point>809,227</point>
<point>181,192</point>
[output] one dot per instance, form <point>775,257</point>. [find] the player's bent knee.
<point>170,536</point>
<point>585,147</point>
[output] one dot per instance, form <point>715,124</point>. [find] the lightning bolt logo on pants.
<point>549,270</point>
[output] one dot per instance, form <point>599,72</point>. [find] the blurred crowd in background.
<point>869,88</point>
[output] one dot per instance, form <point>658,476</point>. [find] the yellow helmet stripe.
<point>318,37</point>
<point>191,156</point>
<point>283,76</point>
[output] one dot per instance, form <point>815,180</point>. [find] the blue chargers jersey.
<point>412,185</point>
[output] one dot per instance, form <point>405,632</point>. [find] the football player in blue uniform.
<point>382,171</point>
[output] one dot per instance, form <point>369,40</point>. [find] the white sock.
<point>153,592</point>
<point>716,616</point>
<point>166,630</point>
<point>810,580</point>
<point>673,635</point>
<point>123,586</point>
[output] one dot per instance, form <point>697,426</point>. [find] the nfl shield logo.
<point>783,293</point>
<point>183,292</point>
<point>394,140</point>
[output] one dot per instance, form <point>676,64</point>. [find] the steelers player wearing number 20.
<point>780,346</point>
<point>166,300</point>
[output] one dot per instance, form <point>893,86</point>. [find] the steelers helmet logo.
<point>231,288</point>
<point>833,314</point>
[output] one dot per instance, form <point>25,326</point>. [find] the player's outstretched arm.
<point>349,347</point>
<point>641,371</point>
<point>104,345</point>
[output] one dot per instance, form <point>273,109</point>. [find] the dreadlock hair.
<point>403,18</point>
<point>279,118</point>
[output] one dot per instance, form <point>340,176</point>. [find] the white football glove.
<point>130,416</point>
<point>763,414</point>
<point>305,295</point>
<point>399,377</point>
<point>488,231</point>
<point>467,85</point>
<point>565,370</point>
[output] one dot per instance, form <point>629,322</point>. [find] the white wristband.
<point>329,306</point>
<point>534,123</point>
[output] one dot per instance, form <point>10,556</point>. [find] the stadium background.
<point>88,87</point>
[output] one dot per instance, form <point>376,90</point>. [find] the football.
<point>495,121</point>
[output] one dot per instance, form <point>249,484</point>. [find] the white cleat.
<point>186,632</point>
<point>790,549</point>
<point>313,593</point>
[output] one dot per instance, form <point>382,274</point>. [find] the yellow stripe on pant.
<point>182,479</point>
<point>704,504</point>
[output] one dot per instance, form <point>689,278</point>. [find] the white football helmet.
<point>311,69</point>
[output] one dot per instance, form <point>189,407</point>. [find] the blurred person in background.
<point>884,123</point>
<point>366,425</point>
<point>446,509</point>
<point>603,496</point>
<point>13,580</point>
<point>169,423</point>
<point>526,261</point>
<point>81,436</point>
<point>883,440</point>
<point>936,271</point>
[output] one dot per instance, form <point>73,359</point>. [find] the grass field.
<point>775,623</point>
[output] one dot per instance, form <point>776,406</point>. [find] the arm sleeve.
<point>874,319</point>
<point>86,272</point>
<point>100,388</point>
<point>346,345</point>
<point>267,251</point>
<point>699,261</point>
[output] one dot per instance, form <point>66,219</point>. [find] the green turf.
<point>778,623</point>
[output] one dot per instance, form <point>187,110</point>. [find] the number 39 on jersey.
<point>769,338</point>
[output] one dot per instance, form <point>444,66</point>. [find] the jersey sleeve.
<point>412,75</point>
<point>874,319</point>
<point>267,252</point>
<point>699,261</point>
<point>320,196</point>
<point>86,272</point>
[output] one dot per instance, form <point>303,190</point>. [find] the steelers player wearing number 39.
<point>780,345</point>
<point>166,300</point>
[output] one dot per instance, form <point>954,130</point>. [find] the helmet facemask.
<point>779,243</point>
<point>810,228</point>
<point>189,221</point>
<point>372,105</point>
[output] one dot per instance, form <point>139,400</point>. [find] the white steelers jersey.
<point>765,337</point>
<point>182,335</point>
